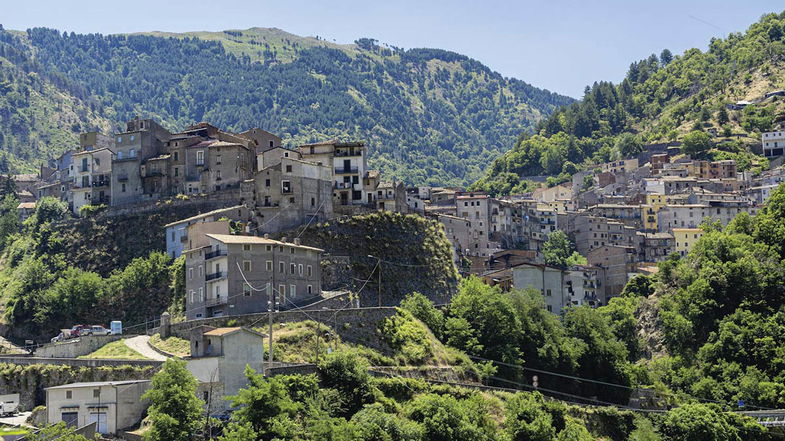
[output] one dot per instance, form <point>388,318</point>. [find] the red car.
<point>78,330</point>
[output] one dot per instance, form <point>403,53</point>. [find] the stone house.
<point>177,237</point>
<point>616,264</point>
<point>91,178</point>
<point>236,275</point>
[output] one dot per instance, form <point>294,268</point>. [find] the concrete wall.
<point>75,347</point>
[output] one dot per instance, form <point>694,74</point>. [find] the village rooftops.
<point>256,240</point>
<point>203,215</point>
<point>85,152</point>
<point>227,144</point>
<point>97,384</point>
<point>336,143</point>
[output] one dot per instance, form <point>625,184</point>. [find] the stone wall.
<point>353,325</point>
<point>75,347</point>
<point>30,376</point>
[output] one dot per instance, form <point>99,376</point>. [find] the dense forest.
<point>662,98</point>
<point>428,115</point>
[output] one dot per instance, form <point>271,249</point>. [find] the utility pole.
<point>379,268</point>
<point>270,305</point>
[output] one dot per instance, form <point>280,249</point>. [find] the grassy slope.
<point>116,350</point>
<point>176,346</point>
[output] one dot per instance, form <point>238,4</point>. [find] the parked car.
<point>61,336</point>
<point>98,330</point>
<point>78,330</point>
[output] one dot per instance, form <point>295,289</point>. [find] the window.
<point>190,273</point>
<point>300,269</point>
<point>200,270</point>
<point>192,296</point>
<point>133,137</point>
<point>313,202</point>
<point>269,248</point>
<point>246,290</point>
<point>176,171</point>
<point>246,265</point>
<point>288,169</point>
<point>281,267</point>
<point>282,292</point>
<point>310,289</point>
<point>132,152</point>
<point>200,157</point>
<point>292,290</point>
<point>246,247</point>
<point>266,182</point>
<point>205,396</point>
<point>122,187</point>
<point>218,159</point>
<point>293,268</point>
<point>96,393</point>
<point>271,143</point>
<point>201,294</point>
<point>286,187</point>
<point>69,394</point>
<point>269,265</point>
<point>291,250</point>
<point>550,308</point>
<point>291,200</point>
<point>119,139</point>
<point>176,156</point>
<point>548,293</point>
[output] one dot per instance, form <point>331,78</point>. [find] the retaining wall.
<point>353,325</point>
<point>77,362</point>
<point>75,347</point>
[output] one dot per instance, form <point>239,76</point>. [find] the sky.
<point>560,45</point>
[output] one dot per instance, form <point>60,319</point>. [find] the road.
<point>141,344</point>
<point>16,420</point>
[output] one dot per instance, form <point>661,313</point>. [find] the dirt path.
<point>141,344</point>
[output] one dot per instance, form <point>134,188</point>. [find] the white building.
<point>773,143</point>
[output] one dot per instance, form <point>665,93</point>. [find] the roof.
<point>25,205</point>
<point>203,215</point>
<point>26,177</point>
<point>236,239</point>
<point>687,229</point>
<point>96,384</point>
<point>227,144</point>
<point>84,152</point>
<point>220,332</point>
<point>160,157</point>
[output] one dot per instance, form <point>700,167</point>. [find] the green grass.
<point>176,346</point>
<point>116,350</point>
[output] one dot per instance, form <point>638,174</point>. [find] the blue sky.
<point>561,45</point>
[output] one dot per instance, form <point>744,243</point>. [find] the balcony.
<point>348,153</point>
<point>215,276</point>
<point>344,185</point>
<point>345,170</point>
<point>215,301</point>
<point>214,254</point>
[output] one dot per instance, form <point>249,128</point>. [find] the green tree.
<point>701,422</point>
<point>348,373</point>
<point>9,218</point>
<point>695,143</point>
<point>628,145</point>
<point>558,249</point>
<point>175,413</point>
<point>263,405</point>
<point>574,431</point>
<point>527,420</point>
<point>423,309</point>
<point>722,117</point>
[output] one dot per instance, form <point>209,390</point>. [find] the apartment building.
<point>627,214</point>
<point>592,232</point>
<point>177,238</point>
<point>617,264</point>
<point>655,247</point>
<point>459,232</point>
<point>91,178</point>
<point>685,238</point>
<point>348,161</point>
<point>773,143</point>
<point>142,140</point>
<point>289,193</point>
<point>475,207</point>
<point>235,275</point>
<point>692,215</point>
<point>725,169</point>
<point>560,289</point>
<point>621,166</point>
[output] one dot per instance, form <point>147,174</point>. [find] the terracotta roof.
<point>25,205</point>
<point>220,332</point>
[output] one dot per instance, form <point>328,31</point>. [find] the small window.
<point>122,187</point>
<point>246,247</point>
<point>310,271</point>
<point>69,394</point>
<point>246,290</point>
<point>190,273</point>
<point>205,396</point>
<point>300,269</point>
<point>269,265</point>
<point>119,139</point>
<point>246,265</point>
<point>288,169</point>
<point>176,171</point>
<point>281,267</point>
<point>266,182</point>
<point>292,290</point>
<point>176,157</point>
<point>96,393</point>
<point>293,268</point>
<point>310,289</point>
<point>269,248</point>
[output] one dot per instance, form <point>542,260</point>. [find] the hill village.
<point>623,217</point>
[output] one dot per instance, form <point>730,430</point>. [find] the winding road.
<point>141,344</point>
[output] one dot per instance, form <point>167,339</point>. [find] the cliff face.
<point>415,256</point>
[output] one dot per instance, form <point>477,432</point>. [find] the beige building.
<point>353,184</point>
<point>113,405</point>
<point>218,360</point>
<point>90,178</point>
<point>685,238</point>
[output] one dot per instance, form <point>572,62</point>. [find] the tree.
<point>527,419</point>
<point>261,404</point>
<point>175,413</point>
<point>348,373</point>
<point>628,145</point>
<point>558,249</point>
<point>695,143</point>
<point>701,422</point>
<point>9,218</point>
<point>424,310</point>
<point>574,431</point>
<point>722,116</point>
<point>665,57</point>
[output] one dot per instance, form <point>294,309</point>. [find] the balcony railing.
<point>345,170</point>
<point>348,153</point>
<point>215,301</point>
<point>214,276</point>
<point>214,254</point>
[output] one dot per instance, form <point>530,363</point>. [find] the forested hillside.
<point>662,98</point>
<point>429,116</point>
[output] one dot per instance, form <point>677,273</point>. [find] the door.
<point>100,418</point>
<point>71,419</point>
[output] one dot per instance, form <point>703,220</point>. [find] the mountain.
<point>662,98</point>
<point>428,115</point>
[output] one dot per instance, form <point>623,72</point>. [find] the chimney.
<point>266,235</point>
<point>297,241</point>
<point>283,239</point>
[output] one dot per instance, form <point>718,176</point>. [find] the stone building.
<point>90,178</point>
<point>236,275</point>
